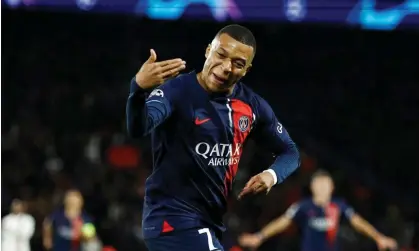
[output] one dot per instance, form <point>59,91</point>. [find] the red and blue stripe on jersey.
<point>319,225</point>
<point>67,232</point>
<point>241,118</point>
<point>197,140</point>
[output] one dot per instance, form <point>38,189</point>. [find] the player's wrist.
<point>377,236</point>
<point>139,83</point>
<point>272,172</point>
<point>261,236</point>
<point>136,87</point>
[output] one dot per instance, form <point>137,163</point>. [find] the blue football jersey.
<point>197,141</point>
<point>66,232</point>
<point>319,225</point>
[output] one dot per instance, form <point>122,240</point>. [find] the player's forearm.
<point>47,240</point>
<point>134,118</point>
<point>142,117</point>
<point>275,227</point>
<point>286,163</point>
<point>364,227</point>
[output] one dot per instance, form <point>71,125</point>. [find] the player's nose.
<point>227,66</point>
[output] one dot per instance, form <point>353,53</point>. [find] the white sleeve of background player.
<point>292,210</point>
<point>29,227</point>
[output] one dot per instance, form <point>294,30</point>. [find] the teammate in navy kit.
<point>199,123</point>
<point>63,229</point>
<point>319,219</point>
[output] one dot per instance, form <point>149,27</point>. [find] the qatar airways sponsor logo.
<point>66,232</point>
<point>322,224</point>
<point>219,154</point>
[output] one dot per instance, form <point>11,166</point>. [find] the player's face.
<point>227,61</point>
<point>322,186</point>
<point>73,199</point>
<point>17,207</point>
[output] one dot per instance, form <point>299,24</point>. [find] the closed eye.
<point>239,65</point>
<point>221,55</point>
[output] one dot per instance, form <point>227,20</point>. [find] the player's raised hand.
<point>251,241</point>
<point>386,243</point>
<point>154,73</point>
<point>261,182</point>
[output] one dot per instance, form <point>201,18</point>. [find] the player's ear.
<point>207,51</point>
<point>247,69</point>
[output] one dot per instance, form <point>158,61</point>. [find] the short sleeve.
<point>295,211</point>
<point>347,211</point>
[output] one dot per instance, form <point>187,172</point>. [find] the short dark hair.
<point>239,33</point>
<point>320,173</point>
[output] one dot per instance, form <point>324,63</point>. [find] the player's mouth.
<point>219,80</point>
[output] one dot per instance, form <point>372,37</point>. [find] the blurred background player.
<point>68,227</point>
<point>17,228</point>
<point>319,219</point>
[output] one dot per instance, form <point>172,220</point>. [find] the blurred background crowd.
<point>348,97</point>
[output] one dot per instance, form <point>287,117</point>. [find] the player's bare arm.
<point>47,234</point>
<point>383,242</point>
<point>152,73</point>
<point>275,227</point>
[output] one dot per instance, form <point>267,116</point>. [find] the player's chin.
<point>214,86</point>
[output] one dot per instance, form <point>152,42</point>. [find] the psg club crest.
<point>243,123</point>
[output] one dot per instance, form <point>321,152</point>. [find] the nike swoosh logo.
<point>200,121</point>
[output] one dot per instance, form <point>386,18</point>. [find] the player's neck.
<point>321,201</point>
<point>72,212</point>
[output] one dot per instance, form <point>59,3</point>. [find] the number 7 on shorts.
<point>209,236</point>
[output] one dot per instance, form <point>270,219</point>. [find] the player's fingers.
<point>251,186</point>
<point>165,63</point>
<point>255,187</point>
<point>172,65</point>
<point>172,71</point>
<point>153,57</point>
<point>260,187</point>
<point>244,192</point>
<point>174,75</point>
<point>251,181</point>
<point>171,76</point>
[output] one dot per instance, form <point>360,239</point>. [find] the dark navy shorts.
<point>185,240</point>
